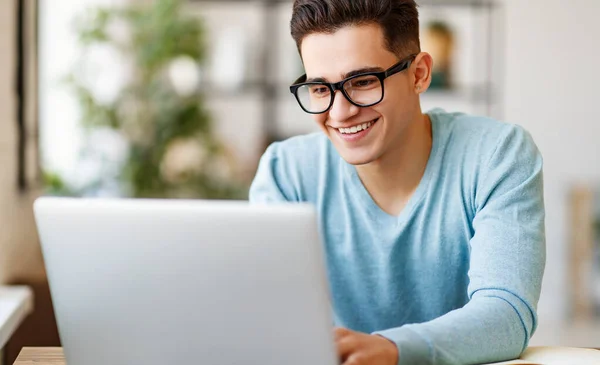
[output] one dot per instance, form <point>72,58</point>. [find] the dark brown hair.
<point>399,20</point>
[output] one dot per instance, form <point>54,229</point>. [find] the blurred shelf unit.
<point>479,94</point>
<point>584,254</point>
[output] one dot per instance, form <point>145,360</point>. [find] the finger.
<point>341,333</point>
<point>346,346</point>
<point>355,359</point>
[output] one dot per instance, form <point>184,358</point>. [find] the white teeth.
<point>356,128</point>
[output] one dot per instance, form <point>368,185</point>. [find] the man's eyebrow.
<point>316,79</point>
<point>348,74</point>
<point>362,71</point>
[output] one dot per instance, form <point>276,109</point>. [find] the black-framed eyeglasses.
<point>363,90</point>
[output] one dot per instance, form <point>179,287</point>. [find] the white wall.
<point>552,89</point>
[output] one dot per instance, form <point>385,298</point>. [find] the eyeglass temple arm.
<point>401,66</point>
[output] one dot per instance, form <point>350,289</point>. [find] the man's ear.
<point>422,66</point>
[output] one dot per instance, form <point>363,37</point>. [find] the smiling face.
<point>362,135</point>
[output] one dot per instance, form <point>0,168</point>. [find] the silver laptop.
<point>150,282</point>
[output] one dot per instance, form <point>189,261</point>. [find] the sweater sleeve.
<point>507,260</point>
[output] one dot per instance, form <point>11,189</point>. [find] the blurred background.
<point>178,99</point>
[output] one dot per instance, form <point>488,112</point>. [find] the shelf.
<point>16,303</point>
<point>482,93</point>
<point>246,89</point>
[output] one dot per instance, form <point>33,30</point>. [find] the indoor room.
<point>195,102</point>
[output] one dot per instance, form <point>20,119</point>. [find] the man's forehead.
<point>332,55</point>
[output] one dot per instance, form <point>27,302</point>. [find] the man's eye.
<point>319,90</point>
<point>363,83</point>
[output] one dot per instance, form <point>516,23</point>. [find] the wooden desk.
<point>41,356</point>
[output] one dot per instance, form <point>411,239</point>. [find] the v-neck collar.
<point>417,196</point>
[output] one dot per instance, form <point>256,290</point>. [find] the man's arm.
<point>506,268</point>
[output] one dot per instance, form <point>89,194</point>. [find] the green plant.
<point>162,127</point>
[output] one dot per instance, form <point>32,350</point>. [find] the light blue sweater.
<point>456,277</point>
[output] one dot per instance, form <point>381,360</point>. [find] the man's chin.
<point>357,160</point>
<point>356,156</point>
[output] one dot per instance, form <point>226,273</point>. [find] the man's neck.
<point>393,178</point>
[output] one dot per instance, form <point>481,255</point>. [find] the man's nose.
<point>342,109</point>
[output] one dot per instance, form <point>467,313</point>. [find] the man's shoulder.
<point>293,168</point>
<point>477,133</point>
<point>475,126</point>
<point>487,151</point>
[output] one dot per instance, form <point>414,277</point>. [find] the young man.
<point>433,224</point>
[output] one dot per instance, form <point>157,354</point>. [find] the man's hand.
<point>356,348</point>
